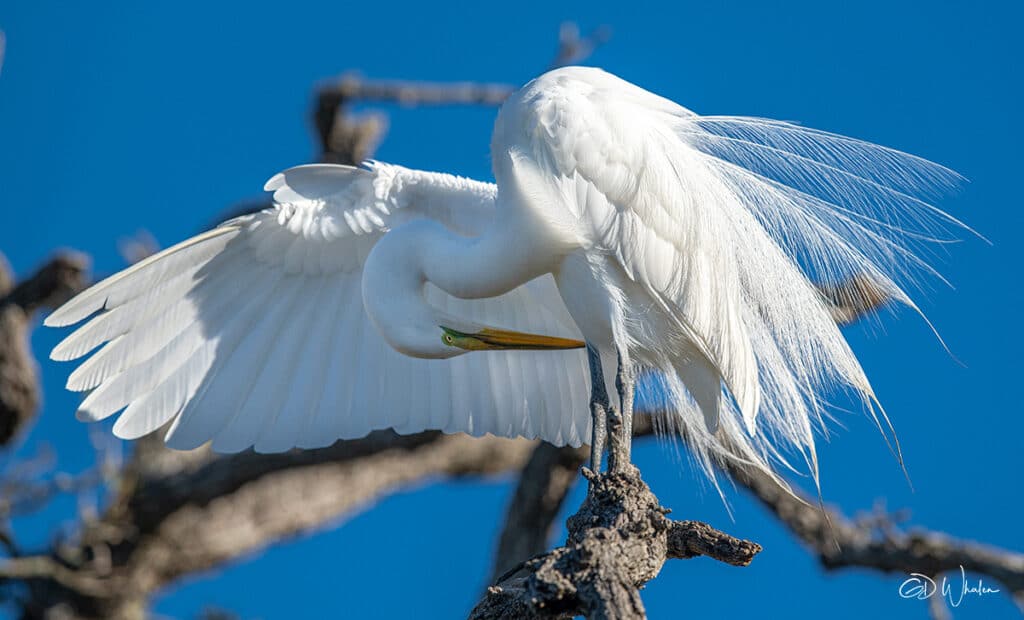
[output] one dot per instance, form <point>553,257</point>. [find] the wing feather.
<point>254,333</point>
<point>294,390</point>
<point>261,358</point>
<point>121,319</point>
<point>153,333</point>
<point>122,287</point>
<point>317,362</point>
<point>335,402</point>
<point>206,414</point>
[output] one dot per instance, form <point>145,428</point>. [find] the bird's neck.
<point>501,259</point>
<point>404,260</point>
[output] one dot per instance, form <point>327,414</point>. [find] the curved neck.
<point>405,259</point>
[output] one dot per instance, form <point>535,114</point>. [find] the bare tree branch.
<point>51,285</point>
<point>544,483</point>
<point>937,608</point>
<point>618,541</point>
<point>573,48</point>
<point>853,298</point>
<point>30,484</point>
<point>689,539</point>
<point>195,511</point>
<point>352,88</point>
<point>840,542</point>
<point>348,139</point>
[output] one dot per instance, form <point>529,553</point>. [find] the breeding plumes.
<point>680,247</point>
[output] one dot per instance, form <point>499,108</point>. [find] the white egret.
<point>671,243</point>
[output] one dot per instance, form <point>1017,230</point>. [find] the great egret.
<point>679,245</point>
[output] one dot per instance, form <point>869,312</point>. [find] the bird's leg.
<point>622,442</point>
<point>599,406</point>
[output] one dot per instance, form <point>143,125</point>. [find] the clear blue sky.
<point>121,116</point>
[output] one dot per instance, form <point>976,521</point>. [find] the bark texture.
<point>618,541</point>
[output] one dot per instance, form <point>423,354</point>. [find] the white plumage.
<point>254,334</point>
<point>683,245</point>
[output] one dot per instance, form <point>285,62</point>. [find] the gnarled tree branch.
<point>618,541</point>
<point>841,542</point>
<point>48,287</point>
<point>183,513</point>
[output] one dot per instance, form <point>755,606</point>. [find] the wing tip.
<point>83,415</point>
<point>60,354</point>
<point>69,313</point>
<point>72,347</point>
<point>121,428</point>
<point>53,320</point>
<point>275,182</point>
<point>82,380</point>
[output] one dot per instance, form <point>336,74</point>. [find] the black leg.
<point>625,381</point>
<point>599,406</point>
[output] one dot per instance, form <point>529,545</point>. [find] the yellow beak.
<point>503,339</point>
<point>489,339</point>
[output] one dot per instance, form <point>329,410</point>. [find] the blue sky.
<point>116,117</point>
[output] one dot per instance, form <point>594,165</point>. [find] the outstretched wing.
<point>725,221</point>
<point>254,333</point>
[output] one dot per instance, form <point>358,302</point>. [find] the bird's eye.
<point>448,338</point>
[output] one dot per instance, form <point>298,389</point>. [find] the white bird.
<point>672,244</point>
